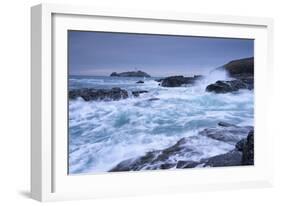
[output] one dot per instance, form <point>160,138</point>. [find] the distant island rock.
<point>130,74</point>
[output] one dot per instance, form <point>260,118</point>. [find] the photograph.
<point>142,102</point>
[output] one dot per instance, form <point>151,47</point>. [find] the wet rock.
<point>130,74</point>
<point>240,69</point>
<point>226,86</point>
<point>248,150</point>
<point>135,164</point>
<point>177,81</point>
<point>240,145</point>
<point>167,165</point>
<point>225,124</point>
<point>159,159</point>
<point>187,164</point>
<point>140,82</point>
<point>230,134</point>
<point>232,158</point>
<point>90,94</point>
<point>137,93</point>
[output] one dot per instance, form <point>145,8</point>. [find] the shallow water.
<point>102,134</point>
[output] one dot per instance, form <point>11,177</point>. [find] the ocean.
<point>105,133</point>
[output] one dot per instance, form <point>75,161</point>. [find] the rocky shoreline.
<point>243,154</point>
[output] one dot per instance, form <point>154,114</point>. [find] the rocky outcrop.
<point>240,67</point>
<point>242,70</point>
<point>98,94</point>
<point>177,81</point>
<point>137,93</point>
<point>130,74</point>
<point>243,154</point>
<point>227,86</point>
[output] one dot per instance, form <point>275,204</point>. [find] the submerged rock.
<point>137,93</point>
<point>130,74</point>
<point>87,94</point>
<point>140,82</point>
<point>177,81</point>
<point>226,86</point>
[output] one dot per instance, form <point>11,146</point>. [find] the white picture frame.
<point>49,179</point>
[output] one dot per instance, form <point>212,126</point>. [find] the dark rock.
<point>230,134</point>
<point>240,67</point>
<point>140,82</point>
<point>154,99</point>
<point>98,94</point>
<point>240,145</point>
<point>249,81</point>
<point>137,93</point>
<point>187,164</point>
<point>130,74</point>
<point>226,86</point>
<point>248,150</point>
<point>167,165</point>
<point>232,158</point>
<point>225,124</point>
<point>174,81</point>
<point>158,159</point>
<point>177,81</point>
<point>135,164</point>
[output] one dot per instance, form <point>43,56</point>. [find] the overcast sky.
<point>101,53</point>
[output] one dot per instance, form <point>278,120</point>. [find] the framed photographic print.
<point>134,102</point>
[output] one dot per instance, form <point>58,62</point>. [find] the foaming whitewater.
<point>102,134</point>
